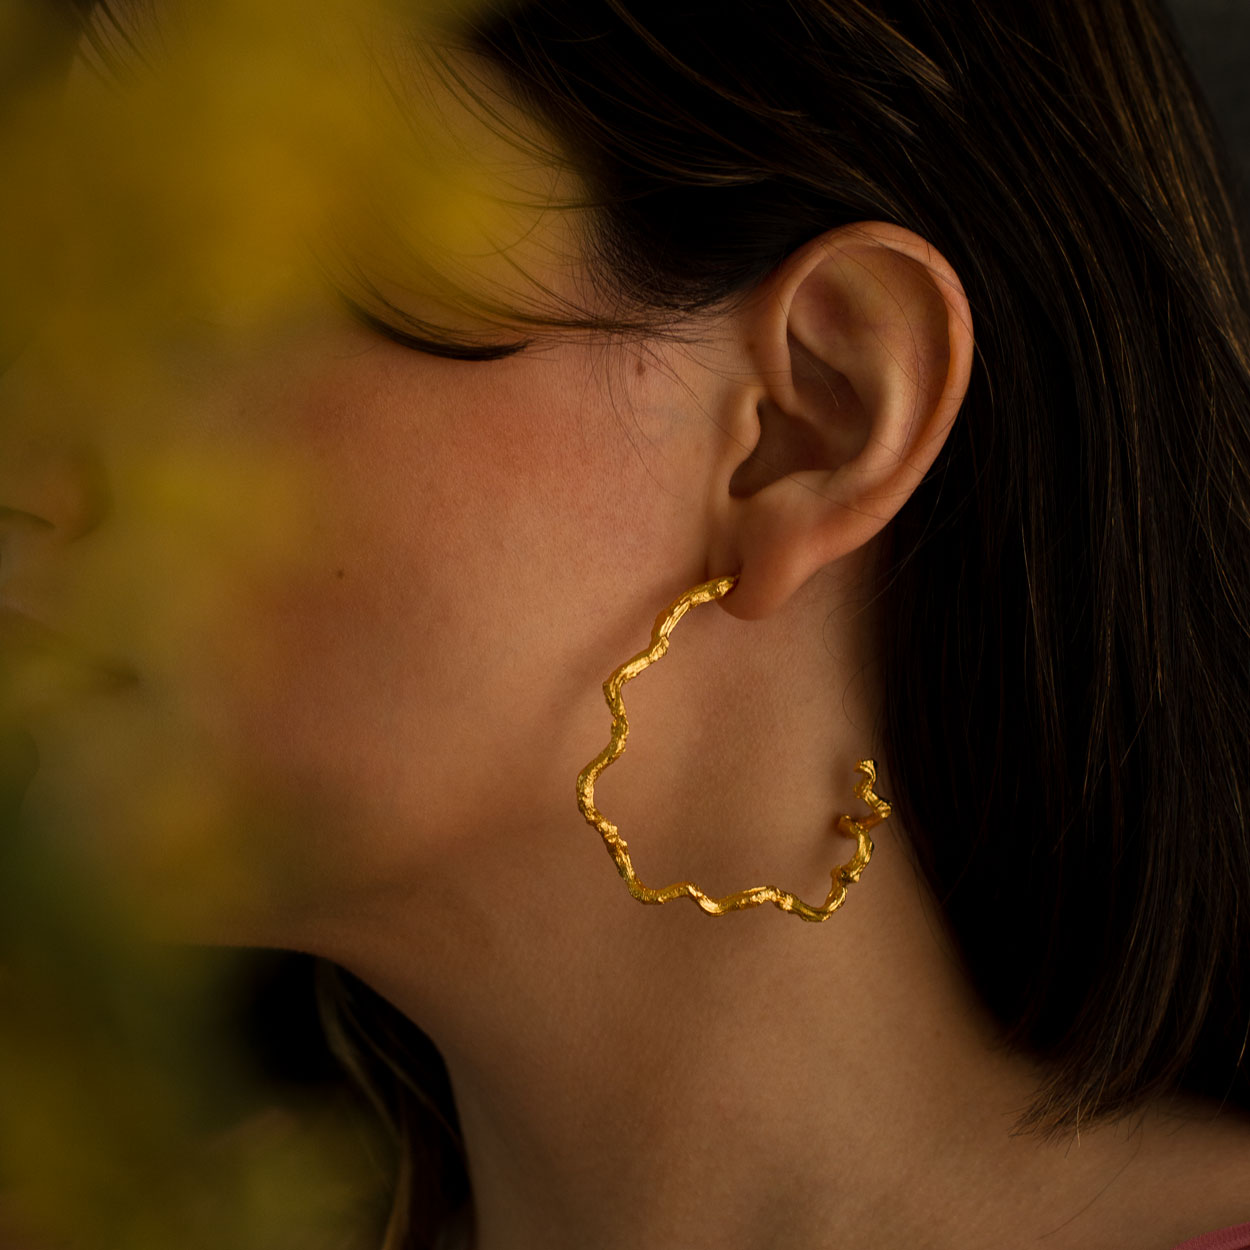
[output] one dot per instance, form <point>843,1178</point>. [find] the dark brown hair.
<point>1066,663</point>
<point>1066,666</point>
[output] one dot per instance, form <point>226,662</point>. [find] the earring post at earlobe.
<point>842,876</point>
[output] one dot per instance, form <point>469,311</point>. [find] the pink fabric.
<point>1235,1238</point>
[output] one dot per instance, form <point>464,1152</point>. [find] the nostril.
<point>19,517</point>
<point>14,522</point>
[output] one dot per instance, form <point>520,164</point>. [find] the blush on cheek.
<point>459,556</point>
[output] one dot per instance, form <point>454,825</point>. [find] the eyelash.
<point>447,348</point>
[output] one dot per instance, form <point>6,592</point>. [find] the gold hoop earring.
<point>842,876</point>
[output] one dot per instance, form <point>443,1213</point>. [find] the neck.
<point>631,1076</point>
<point>657,1077</point>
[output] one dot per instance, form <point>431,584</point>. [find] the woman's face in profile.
<point>360,591</point>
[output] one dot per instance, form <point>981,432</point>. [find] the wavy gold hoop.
<point>842,876</point>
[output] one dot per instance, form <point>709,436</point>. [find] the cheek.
<point>452,556</point>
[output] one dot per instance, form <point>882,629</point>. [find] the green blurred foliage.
<point>131,1114</point>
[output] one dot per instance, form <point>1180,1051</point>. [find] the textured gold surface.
<point>842,876</point>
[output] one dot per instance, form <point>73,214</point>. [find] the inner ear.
<point>826,428</point>
<point>815,382</point>
<point>786,444</point>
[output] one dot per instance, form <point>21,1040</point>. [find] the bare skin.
<point>392,706</point>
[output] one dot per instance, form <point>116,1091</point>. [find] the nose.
<point>57,492</point>
<point>52,486</point>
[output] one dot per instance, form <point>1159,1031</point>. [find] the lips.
<point>38,666</point>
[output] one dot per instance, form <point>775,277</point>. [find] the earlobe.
<point>862,343</point>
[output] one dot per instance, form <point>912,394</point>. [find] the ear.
<point>860,347</point>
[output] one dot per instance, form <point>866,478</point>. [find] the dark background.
<point>1216,34</point>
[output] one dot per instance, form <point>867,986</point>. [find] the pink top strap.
<point>1235,1238</point>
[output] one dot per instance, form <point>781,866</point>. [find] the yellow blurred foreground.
<point>174,184</point>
